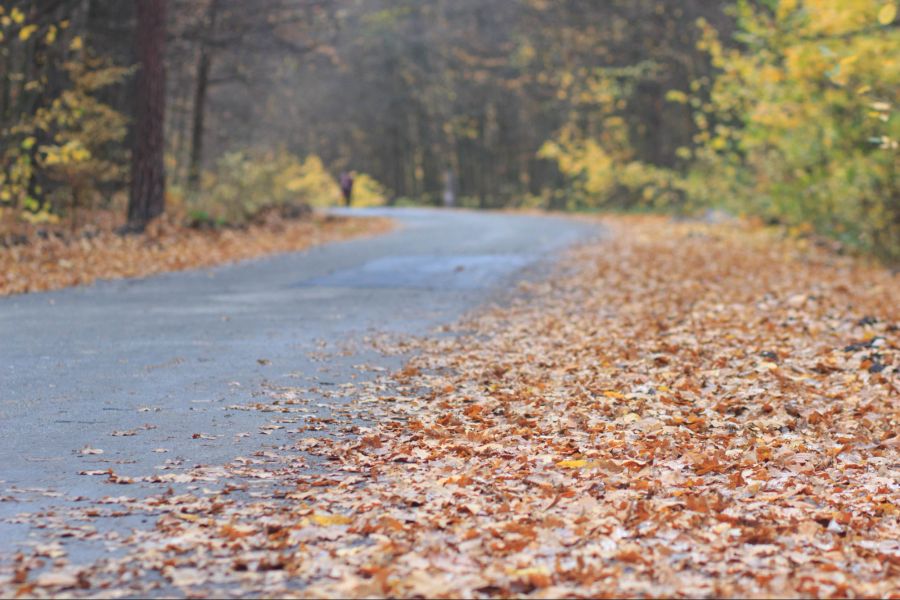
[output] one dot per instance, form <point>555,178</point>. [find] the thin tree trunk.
<point>148,181</point>
<point>177,142</point>
<point>7,88</point>
<point>196,157</point>
<point>204,64</point>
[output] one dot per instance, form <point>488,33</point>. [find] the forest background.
<point>781,110</point>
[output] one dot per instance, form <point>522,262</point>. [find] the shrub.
<point>802,126</point>
<point>368,192</point>
<point>245,185</point>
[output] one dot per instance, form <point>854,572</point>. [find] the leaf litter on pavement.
<point>680,410</point>
<point>58,262</point>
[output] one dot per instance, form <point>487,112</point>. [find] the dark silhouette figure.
<point>347,187</point>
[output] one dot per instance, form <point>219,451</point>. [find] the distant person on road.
<point>347,187</point>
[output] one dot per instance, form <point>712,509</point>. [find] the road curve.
<point>163,356</point>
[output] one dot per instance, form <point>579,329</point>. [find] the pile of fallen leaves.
<point>682,410</point>
<point>79,259</point>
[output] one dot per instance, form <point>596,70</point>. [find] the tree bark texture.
<point>148,180</point>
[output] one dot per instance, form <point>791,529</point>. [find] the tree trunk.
<point>199,110</point>
<point>148,180</point>
<point>196,157</point>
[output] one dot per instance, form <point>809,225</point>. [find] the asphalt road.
<point>163,357</point>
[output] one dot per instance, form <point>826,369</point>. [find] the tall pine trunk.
<point>148,179</point>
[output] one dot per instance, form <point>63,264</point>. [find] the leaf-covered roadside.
<point>681,410</point>
<point>53,263</point>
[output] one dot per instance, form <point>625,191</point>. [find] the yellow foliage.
<point>676,96</point>
<point>367,191</point>
<point>26,32</point>
<point>572,464</point>
<point>41,216</point>
<point>62,140</point>
<point>809,97</point>
<point>244,184</point>
<point>71,152</point>
<point>815,91</point>
<point>591,164</point>
<point>325,520</point>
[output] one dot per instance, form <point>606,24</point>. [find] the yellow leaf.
<point>786,7</point>
<point>572,464</point>
<point>76,44</point>
<point>612,394</point>
<point>28,142</point>
<point>327,520</point>
<point>26,32</point>
<point>676,96</point>
<point>17,15</point>
<point>887,14</point>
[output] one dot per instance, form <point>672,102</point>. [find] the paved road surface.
<point>173,351</point>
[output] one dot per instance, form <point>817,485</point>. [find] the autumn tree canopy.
<point>783,109</point>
